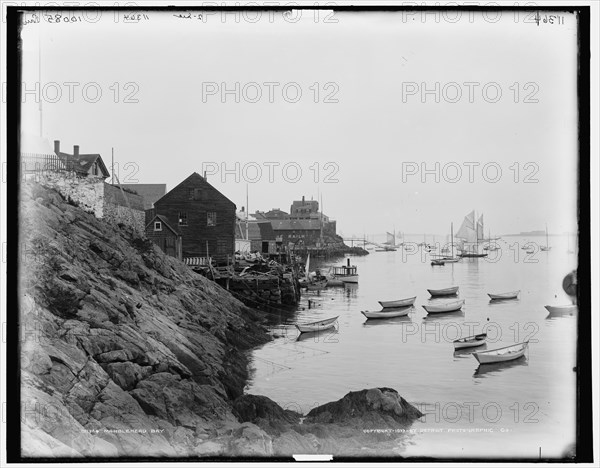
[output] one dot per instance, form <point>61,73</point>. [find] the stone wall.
<point>95,196</point>
<point>117,211</point>
<point>86,192</point>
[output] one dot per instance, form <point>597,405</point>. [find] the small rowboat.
<point>452,306</point>
<point>443,292</point>
<point>317,285</point>
<point>317,326</point>
<point>399,303</point>
<point>438,262</point>
<point>387,313</point>
<point>562,309</point>
<point>508,353</point>
<point>470,341</point>
<point>506,295</point>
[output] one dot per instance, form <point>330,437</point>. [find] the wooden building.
<point>203,216</point>
<point>306,232</point>
<point>85,165</point>
<point>160,231</point>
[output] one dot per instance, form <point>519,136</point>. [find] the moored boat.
<point>387,313</point>
<point>317,285</point>
<point>561,309</point>
<point>444,292</point>
<point>442,307</point>
<point>470,341</point>
<point>505,295</point>
<point>399,303</point>
<point>317,326</point>
<point>507,353</point>
<point>346,273</point>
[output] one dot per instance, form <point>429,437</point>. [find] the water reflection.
<point>323,336</point>
<point>503,301</point>
<point>444,316</point>
<point>387,321</point>
<point>487,370</point>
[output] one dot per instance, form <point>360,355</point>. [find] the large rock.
<point>264,412</point>
<point>372,407</point>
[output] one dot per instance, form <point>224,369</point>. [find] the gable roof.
<point>81,163</point>
<point>149,192</point>
<point>257,230</point>
<point>296,225</point>
<point>165,221</point>
<point>194,177</point>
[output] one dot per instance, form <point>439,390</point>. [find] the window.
<point>183,219</point>
<point>195,194</point>
<point>157,226</point>
<point>211,218</point>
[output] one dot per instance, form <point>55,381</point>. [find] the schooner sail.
<point>471,234</point>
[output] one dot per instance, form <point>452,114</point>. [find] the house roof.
<point>198,178</point>
<point>82,162</point>
<point>149,192</point>
<point>256,230</point>
<point>296,224</point>
<point>165,221</point>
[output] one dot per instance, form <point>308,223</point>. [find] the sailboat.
<point>312,282</point>
<point>390,244</point>
<point>547,248</point>
<point>471,234</point>
<point>441,260</point>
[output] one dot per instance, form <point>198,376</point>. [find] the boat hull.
<point>470,341</point>
<point>399,303</point>
<point>501,355</point>
<point>317,326</point>
<point>443,292</point>
<point>348,279</point>
<point>316,286</point>
<point>381,314</point>
<point>506,295</point>
<point>446,307</point>
<point>562,310</point>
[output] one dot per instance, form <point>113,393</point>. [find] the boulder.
<point>375,406</point>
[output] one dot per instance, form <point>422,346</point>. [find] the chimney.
<point>303,199</point>
<point>57,146</point>
<point>75,150</point>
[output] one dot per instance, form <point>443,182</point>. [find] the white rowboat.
<point>506,295</point>
<point>562,309</point>
<point>470,341</point>
<point>508,353</point>
<point>317,285</point>
<point>452,306</point>
<point>317,326</point>
<point>399,303</point>
<point>387,313</point>
<point>444,292</point>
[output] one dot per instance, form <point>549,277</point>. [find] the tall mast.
<point>452,239</point>
<point>40,75</point>
<point>247,211</point>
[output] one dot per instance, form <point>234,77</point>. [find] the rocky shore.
<point>127,352</point>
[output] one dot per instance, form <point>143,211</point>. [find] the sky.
<point>404,122</point>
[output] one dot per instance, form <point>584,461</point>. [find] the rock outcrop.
<point>127,352</point>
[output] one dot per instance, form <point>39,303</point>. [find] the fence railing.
<point>34,162</point>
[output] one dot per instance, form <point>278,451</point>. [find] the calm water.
<point>528,404</point>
